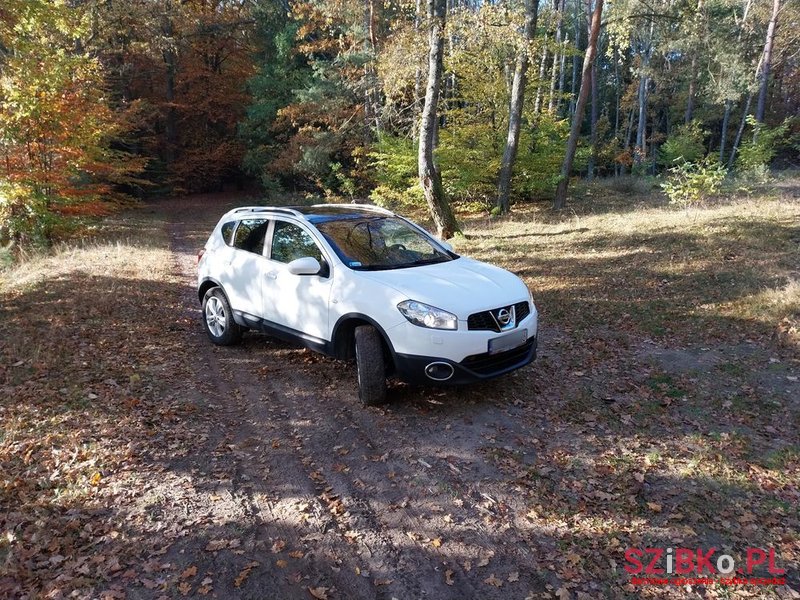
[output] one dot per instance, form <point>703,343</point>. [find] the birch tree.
<point>516,105</point>
<point>430,178</point>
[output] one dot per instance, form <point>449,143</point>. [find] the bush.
<point>685,145</point>
<point>692,182</point>
<point>391,198</point>
<point>754,157</point>
<point>393,161</point>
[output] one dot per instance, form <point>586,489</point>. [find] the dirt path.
<point>141,461</point>
<point>364,503</point>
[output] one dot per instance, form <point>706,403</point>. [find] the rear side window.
<point>250,235</point>
<point>227,232</point>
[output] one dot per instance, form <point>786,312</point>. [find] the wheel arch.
<point>207,284</point>
<point>343,338</point>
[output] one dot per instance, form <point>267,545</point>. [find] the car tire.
<point>218,320</point>
<point>371,366</point>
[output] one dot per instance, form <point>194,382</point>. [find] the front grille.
<point>484,321</point>
<point>488,364</point>
<point>523,309</point>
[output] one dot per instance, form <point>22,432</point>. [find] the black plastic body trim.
<point>284,333</point>
<point>204,282</point>
<point>411,368</point>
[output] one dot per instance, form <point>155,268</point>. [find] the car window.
<point>376,243</point>
<point>290,242</point>
<point>227,232</point>
<point>250,235</point>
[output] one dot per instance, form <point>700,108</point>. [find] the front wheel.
<point>218,319</point>
<point>371,366</point>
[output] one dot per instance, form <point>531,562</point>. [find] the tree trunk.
<point>575,59</point>
<point>724,133</point>
<point>561,73</point>
<point>551,101</point>
<point>515,108</point>
<point>371,116</point>
<point>593,111</point>
<point>616,103</point>
<point>417,78</point>
<point>640,150</point>
<point>430,178</point>
<point>742,123</point>
<point>572,144</point>
<point>687,116</point>
<point>593,106</point>
<point>537,105</point>
<point>766,62</point>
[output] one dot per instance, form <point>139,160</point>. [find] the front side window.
<point>379,243</point>
<point>250,235</point>
<point>290,242</point>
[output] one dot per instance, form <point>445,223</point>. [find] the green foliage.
<point>541,152</point>
<point>752,162</point>
<point>393,160</point>
<point>684,145</point>
<point>691,182</point>
<point>279,71</point>
<point>469,157</point>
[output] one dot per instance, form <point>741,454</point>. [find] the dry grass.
<point>130,245</point>
<point>718,270</point>
<point>82,389</point>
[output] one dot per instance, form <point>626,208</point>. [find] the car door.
<point>298,302</point>
<point>243,275</point>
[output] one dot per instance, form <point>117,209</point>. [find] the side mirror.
<point>304,266</point>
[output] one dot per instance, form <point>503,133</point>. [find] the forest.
<point>634,162</point>
<point>458,102</point>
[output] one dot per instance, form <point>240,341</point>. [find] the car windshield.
<point>379,243</point>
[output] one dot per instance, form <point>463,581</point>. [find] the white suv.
<point>357,281</point>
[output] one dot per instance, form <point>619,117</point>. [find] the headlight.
<point>428,316</point>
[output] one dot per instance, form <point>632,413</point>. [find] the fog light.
<point>439,371</point>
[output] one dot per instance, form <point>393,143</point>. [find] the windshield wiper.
<point>428,261</point>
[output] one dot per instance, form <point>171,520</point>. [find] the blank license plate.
<point>508,342</point>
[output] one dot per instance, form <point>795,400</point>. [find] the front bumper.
<point>477,367</point>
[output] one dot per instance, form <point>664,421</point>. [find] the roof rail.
<point>278,209</point>
<point>370,207</point>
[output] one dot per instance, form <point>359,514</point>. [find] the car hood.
<point>461,286</point>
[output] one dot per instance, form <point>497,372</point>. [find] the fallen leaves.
<point>189,572</point>
<point>205,586</point>
<point>654,506</point>
<point>610,474</point>
<point>320,593</point>
<point>244,574</point>
<point>217,545</point>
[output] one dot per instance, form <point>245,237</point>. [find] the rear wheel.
<point>218,319</point>
<point>371,366</point>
